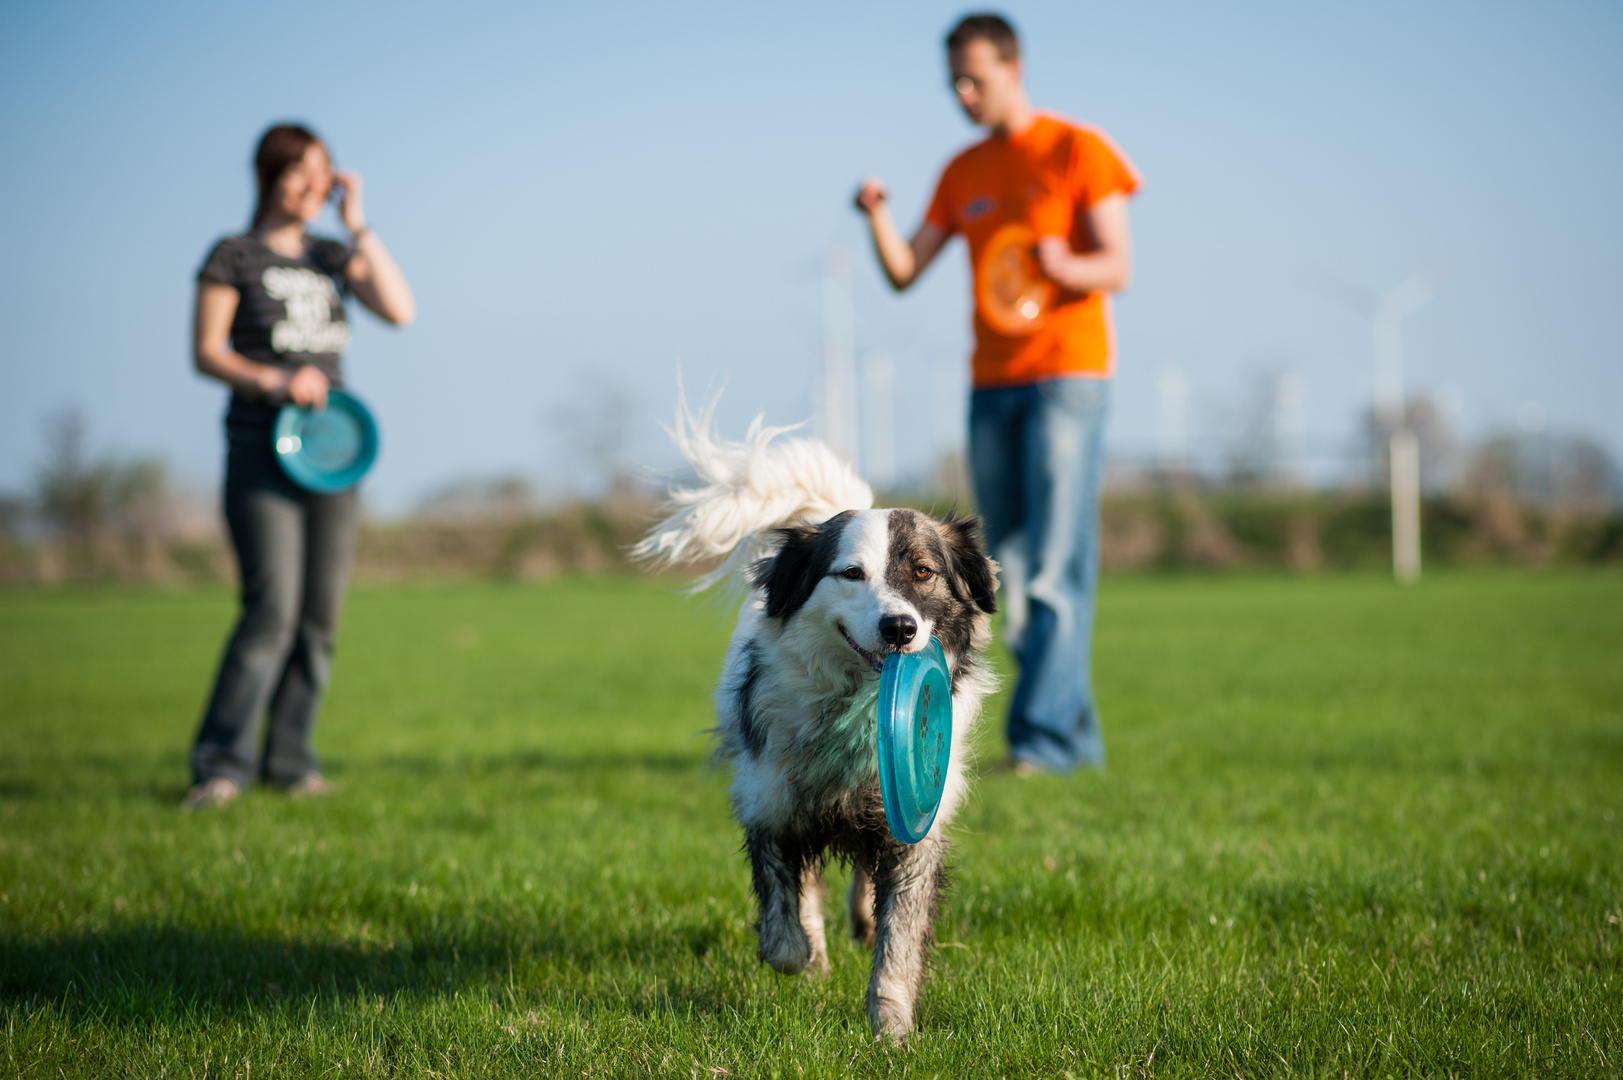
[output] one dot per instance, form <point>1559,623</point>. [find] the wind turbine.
<point>1386,313</point>
<point>1171,420</point>
<point>837,396</point>
<point>878,415</point>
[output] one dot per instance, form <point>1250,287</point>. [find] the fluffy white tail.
<point>745,490</point>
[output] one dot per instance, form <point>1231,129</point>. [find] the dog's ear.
<point>973,576</point>
<point>790,576</point>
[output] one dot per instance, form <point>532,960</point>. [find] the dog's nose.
<point>897,630</point>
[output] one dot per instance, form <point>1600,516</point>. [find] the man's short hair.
<point>986,26</point>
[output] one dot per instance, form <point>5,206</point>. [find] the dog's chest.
<point>826,745</point>
<point>839,749</point>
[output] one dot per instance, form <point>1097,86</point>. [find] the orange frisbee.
<point>1010,289</point>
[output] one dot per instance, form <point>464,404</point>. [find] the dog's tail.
<point>744,491</point>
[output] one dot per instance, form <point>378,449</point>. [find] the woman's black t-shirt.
<point>290,312</point>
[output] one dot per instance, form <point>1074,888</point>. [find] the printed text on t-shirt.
<point>310,298</point>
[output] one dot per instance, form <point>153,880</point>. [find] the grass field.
<point>1346,829</point>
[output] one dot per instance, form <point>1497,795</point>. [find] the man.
<point>1042,204</point>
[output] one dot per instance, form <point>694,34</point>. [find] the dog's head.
<point>884,580</point>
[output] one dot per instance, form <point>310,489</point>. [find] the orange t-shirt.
<point>1003,194</point>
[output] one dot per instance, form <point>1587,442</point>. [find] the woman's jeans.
<point>1037,457</point>
<point>294,550</point>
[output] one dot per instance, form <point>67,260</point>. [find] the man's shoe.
<point>1013,766</point>
<point>311,785</point>
<point>210,794</point>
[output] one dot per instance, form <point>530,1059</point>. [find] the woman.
<point>270,323</point>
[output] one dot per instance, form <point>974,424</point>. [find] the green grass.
<point>1346,829</point>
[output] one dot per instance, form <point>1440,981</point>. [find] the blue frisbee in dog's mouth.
<point>915,739</point>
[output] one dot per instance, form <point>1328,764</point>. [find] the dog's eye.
<point>852,573</point>
<point>922,573</point>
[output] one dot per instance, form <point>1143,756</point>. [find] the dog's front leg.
<point>775,869</point>
<point>907,885</point>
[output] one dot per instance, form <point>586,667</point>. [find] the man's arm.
<point>1108,267</point>
<point>902,260</point>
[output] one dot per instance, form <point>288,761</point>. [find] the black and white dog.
<point>832,585</point>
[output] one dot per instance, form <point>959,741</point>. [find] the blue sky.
<point>586,196</point>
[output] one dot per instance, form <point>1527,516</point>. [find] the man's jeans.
<point>1037,456</point>
<point>294,551</point>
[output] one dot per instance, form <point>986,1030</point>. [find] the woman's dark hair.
<point>280,148</point>
<point>986,26</point>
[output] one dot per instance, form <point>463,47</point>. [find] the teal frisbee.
<point>915,739</point>
<point>326,451</point>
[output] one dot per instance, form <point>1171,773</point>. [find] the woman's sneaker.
<point>211,793</point>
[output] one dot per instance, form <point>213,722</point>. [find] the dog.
<point>831,585</point>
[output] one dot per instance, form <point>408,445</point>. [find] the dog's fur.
<point>794,527</point>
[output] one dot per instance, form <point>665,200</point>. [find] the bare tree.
<point>1572,474</point>
<point>73,492</point>
<point>106,513</point>
<point>1261,445</point>
<point>496,498</point>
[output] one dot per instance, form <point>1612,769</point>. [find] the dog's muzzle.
<point>898,631</point>
<point>872,659</point>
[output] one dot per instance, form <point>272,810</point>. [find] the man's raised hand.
<point>902,260</point>
<point>871,196</point>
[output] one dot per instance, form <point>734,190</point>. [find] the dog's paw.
<point>786,948</point>
<point>892,1020</point>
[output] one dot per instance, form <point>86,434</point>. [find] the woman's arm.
<point>372,273</point>
<point>213,356</point>
<point>378,283</point>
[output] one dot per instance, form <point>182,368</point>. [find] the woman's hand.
<point>308,388</point>
<point>350,209</point>
<point>305,386</point>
